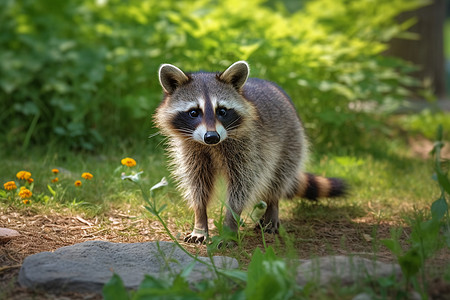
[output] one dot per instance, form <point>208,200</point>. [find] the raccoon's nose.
<point>211,137</point>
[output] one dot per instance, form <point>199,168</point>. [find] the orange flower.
<point>23,175</point>
<point>30,180</point>
<point>87,176</point>
<point>25,193</point>
<point>55,171</point>
<point>55,179</point>
<point>78,183</point>
<point>129,162</point>
<point>26,201</point>
<point>10,185</point>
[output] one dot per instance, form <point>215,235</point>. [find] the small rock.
<point>7,234</point>
<point>87,266</point>
<point>343,269</point>
<point>363,296</point>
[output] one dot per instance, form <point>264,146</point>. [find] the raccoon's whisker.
<point>186,134</point>
<point>154,134</point>
<point>229,128</point>
<point>231,125</point>
<point>163,141</point>
<point>185,131</point>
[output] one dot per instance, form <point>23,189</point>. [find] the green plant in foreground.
<point>426,238</point>
<point>267,277</point>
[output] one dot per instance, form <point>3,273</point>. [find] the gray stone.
<point>363,296</point>
<point>7,234</point>
<point>343,269</point>
<point>87,266</point>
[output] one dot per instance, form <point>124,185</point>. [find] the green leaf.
<point>268,277</point>
<point>447,236</point>
<point>151,282</point>
<point>439,208</point>
<point>188,269</point>
<point>114,289</point>
<point>163,207</point>
<point>439,133</point>
<point>234,274</point>
<point>443,181</point>
<point>151,210</point>
<point>52,191</point>
<point>393,244</point>
<point>164,288</point>
<point>410,263</point>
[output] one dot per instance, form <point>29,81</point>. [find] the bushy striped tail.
<point>313,187</point>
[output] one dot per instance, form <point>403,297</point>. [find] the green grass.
<point>385,181</point>
<point>105,191</point>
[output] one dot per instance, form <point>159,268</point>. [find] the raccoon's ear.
<point>236,74</point>
<point>171,77</point>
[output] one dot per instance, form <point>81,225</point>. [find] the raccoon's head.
<point>205,107</point>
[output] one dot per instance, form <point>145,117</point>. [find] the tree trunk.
<point>428,51</point>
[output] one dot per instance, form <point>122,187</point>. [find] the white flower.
<point>132,177</point>
<point>162,183</point>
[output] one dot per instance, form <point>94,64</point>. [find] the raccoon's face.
<point>205,107</point>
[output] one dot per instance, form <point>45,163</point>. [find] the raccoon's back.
<point>275,108</point>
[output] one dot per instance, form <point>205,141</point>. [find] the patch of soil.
<point>421,147</point>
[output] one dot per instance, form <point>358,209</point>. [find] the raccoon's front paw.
<point>197,236</point>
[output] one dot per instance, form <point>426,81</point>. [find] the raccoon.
<point>246,129</point>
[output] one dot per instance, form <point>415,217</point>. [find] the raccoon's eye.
<point>222,112</point>
<point>194,113</point>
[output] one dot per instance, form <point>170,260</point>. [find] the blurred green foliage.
<point>83,72</point>
<point>425,122</point>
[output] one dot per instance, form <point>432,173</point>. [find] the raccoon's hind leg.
<point>269,222</point>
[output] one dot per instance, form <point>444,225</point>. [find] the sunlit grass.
<point>386,183</point>
<point>100,193</point>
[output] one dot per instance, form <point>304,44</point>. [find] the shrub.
<point>82,72</point>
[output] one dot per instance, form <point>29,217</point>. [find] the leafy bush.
<point>84,71</point>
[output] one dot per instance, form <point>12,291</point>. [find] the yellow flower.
<point>77,183</point>
<point>87,176</point>
<point>30,180</point>
<point>23,175</point>
<point>55,179</point>
<point>55,171</point>
<point>25,193</point>
<point>10,185</point>
<point>26,201</point>
<point>129,162</point>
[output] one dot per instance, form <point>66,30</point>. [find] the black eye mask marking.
<point>185,122</point>
<point>228,117</point>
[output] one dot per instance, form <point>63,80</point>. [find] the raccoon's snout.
<point>211,137</point>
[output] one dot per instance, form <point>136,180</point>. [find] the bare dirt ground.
<point>311,237</point>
